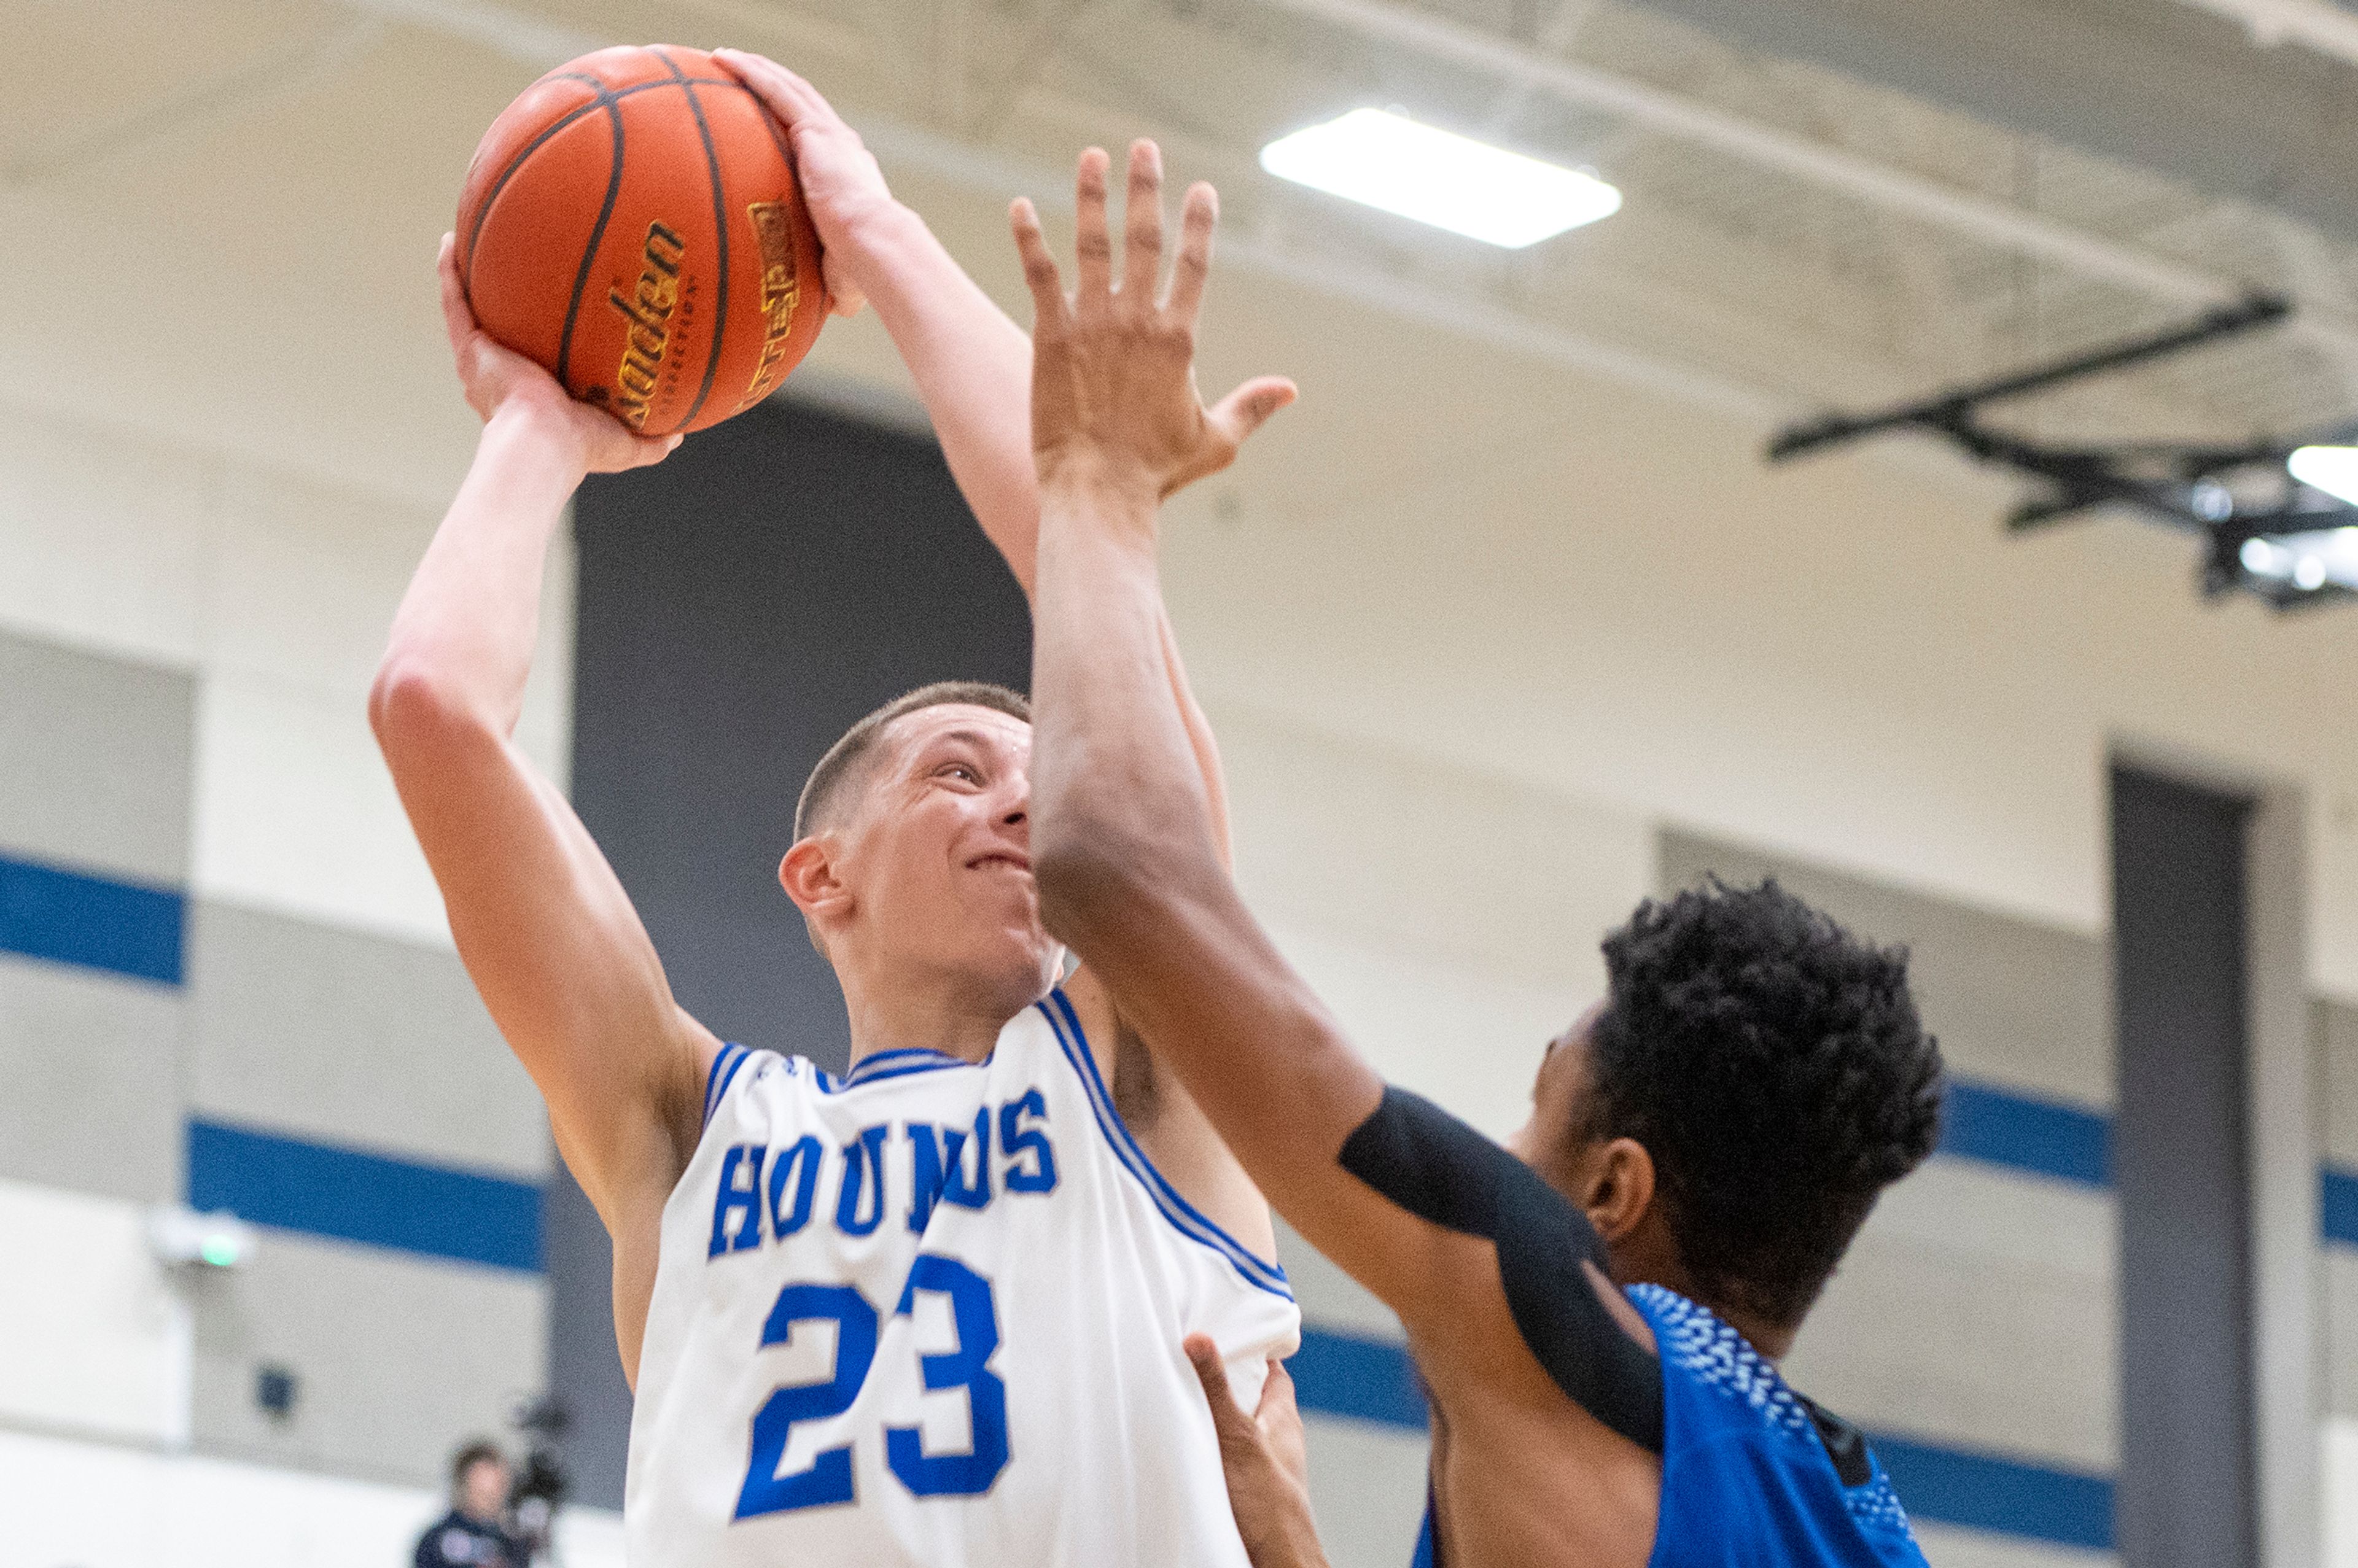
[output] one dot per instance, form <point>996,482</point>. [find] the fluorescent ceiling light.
<point>2308,561</point>
<point>2333,470</point>
<point>1436,177</point>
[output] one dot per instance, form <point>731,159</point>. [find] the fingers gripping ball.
<point>632,222</point>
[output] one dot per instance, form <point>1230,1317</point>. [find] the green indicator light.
<point>220,1251</point>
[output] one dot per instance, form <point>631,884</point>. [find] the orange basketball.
<point>632,222</point>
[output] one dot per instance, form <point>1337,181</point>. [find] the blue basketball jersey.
<point>1753,1475</point>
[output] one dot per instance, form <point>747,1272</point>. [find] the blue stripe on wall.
<point>352,1196</point>
<point>2041,1136</point>
<point>1373,1379</point>
<point>1366,1380</point>
<point>2337,1204</point>
<point>2044,1138</point>
<point>1981,1491</point>
<point>96,923</point>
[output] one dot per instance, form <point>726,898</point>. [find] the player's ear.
<point>807,873</point>
<point>1619,1188</point>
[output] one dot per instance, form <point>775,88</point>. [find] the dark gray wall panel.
<point>353,1038</point>
<point>90,1087</point>
<point>740,606</point>
<point>95,761</point>
<point>398,1359</point>
<point>2026,1004</point>
<point>2186,1495</point>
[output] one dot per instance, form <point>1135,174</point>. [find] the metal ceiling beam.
<point>1993,223</point>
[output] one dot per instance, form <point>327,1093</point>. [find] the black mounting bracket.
<point>2177,484</point>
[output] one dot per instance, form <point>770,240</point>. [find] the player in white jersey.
<point>960,1266</point>
<point>930,1313</point>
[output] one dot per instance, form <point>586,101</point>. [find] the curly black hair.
<point>1773,1066</point>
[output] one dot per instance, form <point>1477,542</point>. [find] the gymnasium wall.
<point>224,978</point>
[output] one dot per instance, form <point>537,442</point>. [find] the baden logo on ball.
<point>632,222</point>
<point>649,308</point>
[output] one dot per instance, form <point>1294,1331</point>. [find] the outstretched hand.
<point>1113,370</point>
<point>1265,1460</point>
<point>496,377</point>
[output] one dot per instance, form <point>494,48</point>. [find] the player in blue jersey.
<point>1598,1308</point>
<point>929,1312</point>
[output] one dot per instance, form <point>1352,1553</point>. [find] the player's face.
<point>940,860</point>
<point>1560,1097</point>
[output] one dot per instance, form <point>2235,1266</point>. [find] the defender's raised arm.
<point>1129,870</point>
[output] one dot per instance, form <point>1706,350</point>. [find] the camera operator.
<point>474,1533</point>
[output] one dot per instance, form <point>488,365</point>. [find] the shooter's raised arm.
<point>544,927</point>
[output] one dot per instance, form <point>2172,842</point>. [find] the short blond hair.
<point>843,772</point>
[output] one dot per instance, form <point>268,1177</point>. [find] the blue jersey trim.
<point>1184,1217</point>
<point>898,1063</point>
<point>722,1073</point>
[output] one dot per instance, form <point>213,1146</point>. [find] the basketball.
<point>632,222</point>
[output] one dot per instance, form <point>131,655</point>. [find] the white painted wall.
<point>98,1333</point>
<point>74,1504</point>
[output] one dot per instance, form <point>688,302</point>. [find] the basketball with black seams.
<point>632,222</point>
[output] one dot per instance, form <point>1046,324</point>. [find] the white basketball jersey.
<point>930,1313</point>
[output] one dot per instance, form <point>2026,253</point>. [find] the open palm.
<point>1113,370</point>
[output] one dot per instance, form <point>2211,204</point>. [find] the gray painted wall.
<point>91,1066</point>
<point>288,1025</point>
<point>398,1358</point>
<point>95,771</point>
<point>360,1042</point>
<point>346,1038</point>
<point>2013,1001</point>
<point>95,761</point>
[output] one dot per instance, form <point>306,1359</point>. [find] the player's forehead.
<point>1565,1061</point>
<point>947,726</point>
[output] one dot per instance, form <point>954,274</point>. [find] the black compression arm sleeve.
<point>1439,1169</point>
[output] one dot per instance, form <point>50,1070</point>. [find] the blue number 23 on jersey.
<point>827,1479</point>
